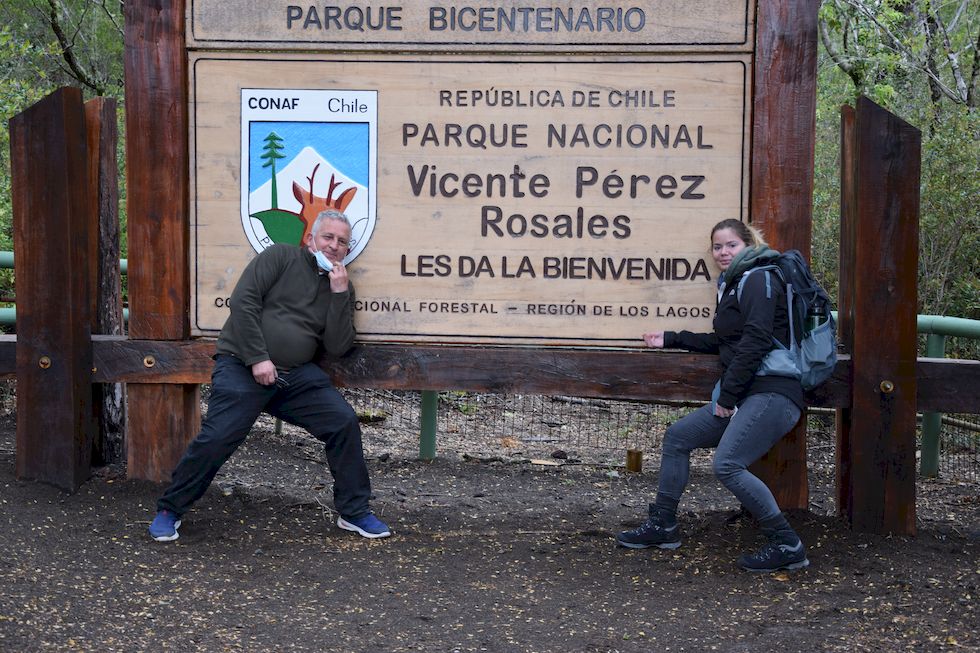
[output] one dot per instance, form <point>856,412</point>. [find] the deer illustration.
<point>313,205</point>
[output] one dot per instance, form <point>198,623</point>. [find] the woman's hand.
<point>721,411</point>
<point>654,339</point>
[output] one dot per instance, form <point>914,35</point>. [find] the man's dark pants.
<point>304,396</point>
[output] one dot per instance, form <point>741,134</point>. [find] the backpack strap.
<point>766,269</point>
<point>789,298</point>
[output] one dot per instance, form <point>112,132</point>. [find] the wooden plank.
<point>52,225</point>
<point>610,374</point>
<point>948,386</point>
<point>161,419</point>
<point>173,409</point>
<point>153,361</point>
<point>156,165</point>
<point>108,400</point>
<point>8,356</point>
<point>784,122</point>
<point>845,298</point>
<point>848,226</point>
<point>945,386</point>
<point>883,420</point>
<point>781,197</point>
<point>504,26</point>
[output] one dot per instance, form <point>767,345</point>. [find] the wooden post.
<point>162,418</point>
<point>52,232</point>
<point>845,298</point>
<point>429,419</point>
<point>781,199</point>
<point>881,242</point>
<point>108,400</point>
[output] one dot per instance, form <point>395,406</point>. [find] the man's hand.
<point>655,339</point>
<point>338,277</point>
<point>264,372</point>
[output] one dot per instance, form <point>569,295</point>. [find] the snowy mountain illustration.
<point>285,207</point>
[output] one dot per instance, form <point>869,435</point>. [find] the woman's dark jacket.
<point>743,331</point>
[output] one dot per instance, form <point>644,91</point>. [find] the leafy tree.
<point>921,60</point>
<point>877,43</point>
<point>74,42</point>
<point>19,88</point>
<point>46,44</point>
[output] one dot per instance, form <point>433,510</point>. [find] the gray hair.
<point>329,214</point>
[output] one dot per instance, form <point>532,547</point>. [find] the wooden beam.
<point>52,231</point>
<point>845,299</point>
<point>162,418</point>
<point>945,386</point>
<point>784,122</point>
<point>885,249</point>
<point>632,375</point>
<point>8,356</point>
<point>781,197</point>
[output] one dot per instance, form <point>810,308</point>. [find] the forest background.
<point>919,59</point>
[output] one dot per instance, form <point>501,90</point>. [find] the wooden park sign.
<point>743,72</point>
<point>496,197</point>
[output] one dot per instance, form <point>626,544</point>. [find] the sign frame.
<point>490,335</point>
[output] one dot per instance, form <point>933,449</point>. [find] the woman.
<point>748,413</point>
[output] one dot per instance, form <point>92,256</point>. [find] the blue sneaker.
<point>164,526</point>
<point>366,525</point>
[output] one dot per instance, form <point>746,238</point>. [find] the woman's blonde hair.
<point>749,235</point>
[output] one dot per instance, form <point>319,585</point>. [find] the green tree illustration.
<point>271,152</point>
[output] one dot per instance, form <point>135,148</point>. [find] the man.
<point>289,303</point>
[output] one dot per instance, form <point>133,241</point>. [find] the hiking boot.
<point>659,530</point>
<point>366,525</point>
<point>774,556</point>
<point>164,526</point>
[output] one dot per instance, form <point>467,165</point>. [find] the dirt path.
<point>487,556</point>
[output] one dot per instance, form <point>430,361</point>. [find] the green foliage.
<point>73,42</point>
<point>949,232</point>
<point>883,45</point>
<point>19,88</point>
<point>901,54</point>
<point>36,61</point>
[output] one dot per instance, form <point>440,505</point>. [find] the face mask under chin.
<point>322,261</point>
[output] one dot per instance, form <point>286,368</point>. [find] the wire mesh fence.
<point>591,431</point>
<point>959,448</point>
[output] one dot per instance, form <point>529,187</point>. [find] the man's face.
<point>332,238</point>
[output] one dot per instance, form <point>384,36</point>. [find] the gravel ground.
<point>490,552</point>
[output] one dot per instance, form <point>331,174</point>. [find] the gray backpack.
<point>812,353</point>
